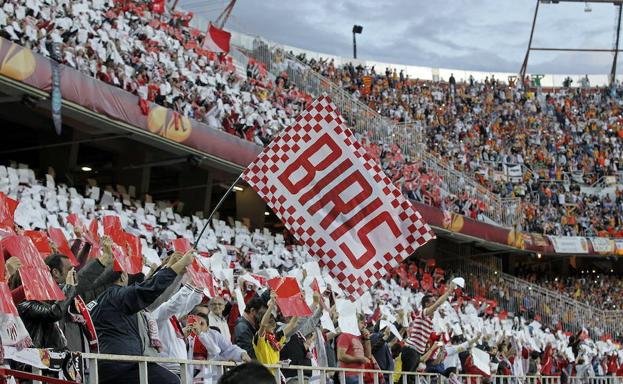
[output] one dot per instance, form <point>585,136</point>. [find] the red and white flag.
<point>216,40</point>
<point>336,199</point>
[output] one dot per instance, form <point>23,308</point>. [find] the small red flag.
<point>216,40</point>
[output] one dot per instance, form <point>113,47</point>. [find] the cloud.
<point>489,35</point>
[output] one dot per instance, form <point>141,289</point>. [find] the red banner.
<point>336,199</point>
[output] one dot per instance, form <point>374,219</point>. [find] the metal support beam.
<point>65,143</point>
<point>613,70</point>
<point>524,66</point>
<point>160,163</point>
<point>577,49</point>
<point>582,1</point>
<point>10,99</point>
<point>207,203</point>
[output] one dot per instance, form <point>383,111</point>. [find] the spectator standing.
<point>354,352</point>
<point>115,315</point>
<point>246,325</point>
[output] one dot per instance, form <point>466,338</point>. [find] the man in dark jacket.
<point>115,314</point>
<point>94,275</point>
<point>41,317</point>
<point>246,325</point>
<point>381,350</point>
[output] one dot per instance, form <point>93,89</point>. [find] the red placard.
<point>39,285</point>
<point>7,210</point>
<point>41,241</point>
<point>6,300</point>
<point>36,277</point>
<point>289,297</point>
<point>134,253</point>
<point>181,245</point>
<point>59,240</point>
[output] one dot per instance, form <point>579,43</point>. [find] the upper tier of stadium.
<point>539,160</point>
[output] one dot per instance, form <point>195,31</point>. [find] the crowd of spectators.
<point>417,319</point>
<point>158,57</point>
<point>559,139</point>
<point>597,289</point>
<point>539,146</point>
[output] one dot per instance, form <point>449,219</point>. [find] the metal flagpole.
<point>218,205</point>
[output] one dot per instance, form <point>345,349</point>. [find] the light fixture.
<point>593,271</point>
<point>238,189</point>
<point>587,8</point>
<point>538,255</point>
<point>266,213</point>
<point>86,169</point>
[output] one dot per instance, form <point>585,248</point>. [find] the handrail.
<point>548,304</point>
<point>370,125</point>
<point>320,375</point>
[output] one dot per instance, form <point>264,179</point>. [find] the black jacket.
<point>243,335</point>
<point>116,310</point>
<point>40,319</point>
<point>297,353</point>
<point>89,282</point>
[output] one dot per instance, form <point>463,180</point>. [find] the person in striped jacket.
<point>419,331</point>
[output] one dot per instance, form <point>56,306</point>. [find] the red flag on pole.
<point>216,40</point>
<point>157,6</point>
<point>335,198</point>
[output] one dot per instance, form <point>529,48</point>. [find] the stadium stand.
<point>513,337</point>
<point>534,154</point>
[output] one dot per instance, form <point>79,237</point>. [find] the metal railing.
<point>367,124</point>
<point>517,295</point>
<point>309,374</point>
<point>322,375</point>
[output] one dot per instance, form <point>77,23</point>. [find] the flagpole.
<point>218,205</point>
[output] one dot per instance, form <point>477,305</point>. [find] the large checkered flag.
<point>333,197</point>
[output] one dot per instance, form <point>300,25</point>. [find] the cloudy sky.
<point>489,35</point>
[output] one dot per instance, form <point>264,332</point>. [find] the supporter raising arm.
<point>115,315</point>
<point>267,342</point>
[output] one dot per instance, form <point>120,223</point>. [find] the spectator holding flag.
<point>354,352</point>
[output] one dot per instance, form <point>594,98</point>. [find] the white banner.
<point>602,245</point>
<point>335,198</point>
<point>618,243</point>
<point>569,244</point>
